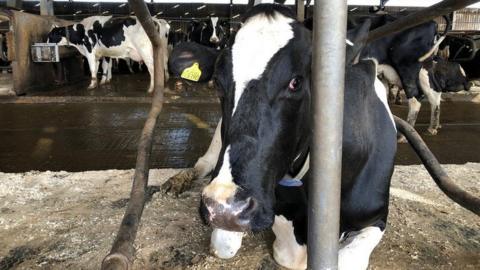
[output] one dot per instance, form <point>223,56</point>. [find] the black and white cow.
<point>114,38</point>
<point>189,55</point>
<point>211,32</point>
<point>404,53</point>
<point>436,76</point>
<point>4,63</point>
<point>3,48</point>
<point>261,147</point>
<point>176,36</point>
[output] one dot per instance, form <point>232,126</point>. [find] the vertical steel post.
<point>14,4</point>
<point>329,34</point>
<point>46,7</point>
<point>300,6</point>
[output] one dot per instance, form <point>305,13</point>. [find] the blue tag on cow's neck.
<point>290,182</point>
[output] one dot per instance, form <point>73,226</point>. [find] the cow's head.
<point>264,86</point>
<point>57,35</point>
<point>447,76</point>
<point>64,35</point>
<point>218,30</point>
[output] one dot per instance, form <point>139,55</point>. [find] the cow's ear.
<point>356,39</point>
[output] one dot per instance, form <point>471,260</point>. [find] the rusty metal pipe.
<point>328,75</point>
<point>441,178</point>
<point>419,17</point>
<point>121,255</point>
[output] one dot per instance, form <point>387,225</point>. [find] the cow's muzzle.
<point>231,215</point>
<point>214,40</point>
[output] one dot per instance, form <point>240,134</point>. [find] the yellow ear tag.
<point>192,73</point>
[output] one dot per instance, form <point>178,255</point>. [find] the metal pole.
<point>14,4</point>
<point>300,4</point>
<point>330,23</point>
<point>46,7</point>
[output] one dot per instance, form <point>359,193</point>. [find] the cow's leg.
<point>129,65</point>
<point>105,65</point>
<point>413,109</point>
<point>394,93</point>
<point>398,97</point>
<point>434,98</point>
<point>93,65</point>
<point>204,165</point>
<point>149,65</point>
<point>109,74</point>
<point>355,248</point>
<point>225,244</point>
<point>434,101</point>
<point>286,250</point>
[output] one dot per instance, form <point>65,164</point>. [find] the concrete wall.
<point>26,29</point>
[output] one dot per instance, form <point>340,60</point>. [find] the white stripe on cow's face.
<point>214,25</point>
<point>222,187</point>
<point>255,44</point>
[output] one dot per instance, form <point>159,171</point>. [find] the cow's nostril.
<point>232,215</point>
<point>249,207</point>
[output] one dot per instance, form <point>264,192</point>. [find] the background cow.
<point>435,76</point>
<point>114,38</point>
<point>405,52</point>
<point>3,51</point>
<point>211,32</point>
<point>175,37</point>
<point>188,54</point>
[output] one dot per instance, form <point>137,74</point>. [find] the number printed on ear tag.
<point>192,73</point>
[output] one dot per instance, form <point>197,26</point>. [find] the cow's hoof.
<point>178,86</point>
<point>92,86</point>
<point>225,244</point>
<point>180,182</point>
<point>150,90</point>
<point>102,82</point>
<point>211,84</point>
<point>398,101</point>
<point>432,131</point>
<point>402,139</point>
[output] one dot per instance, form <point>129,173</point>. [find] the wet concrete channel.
<point>80,136</point>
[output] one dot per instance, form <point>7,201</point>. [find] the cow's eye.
<point>295,84</point>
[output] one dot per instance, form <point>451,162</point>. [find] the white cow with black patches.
<point>102,36</point>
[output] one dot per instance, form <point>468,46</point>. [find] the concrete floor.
<point>6,83</point>
<point>95,134</point>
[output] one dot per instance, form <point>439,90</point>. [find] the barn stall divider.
<point>329,47</point>
<point>122,253</point>
<point>27,76</point>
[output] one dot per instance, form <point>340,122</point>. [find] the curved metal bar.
<point>121,255</point>
<point>419,17</point>
<point>441,178</point>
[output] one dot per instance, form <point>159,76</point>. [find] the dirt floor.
<point>61,220</point>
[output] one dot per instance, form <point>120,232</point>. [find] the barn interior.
<point>50,122</point>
